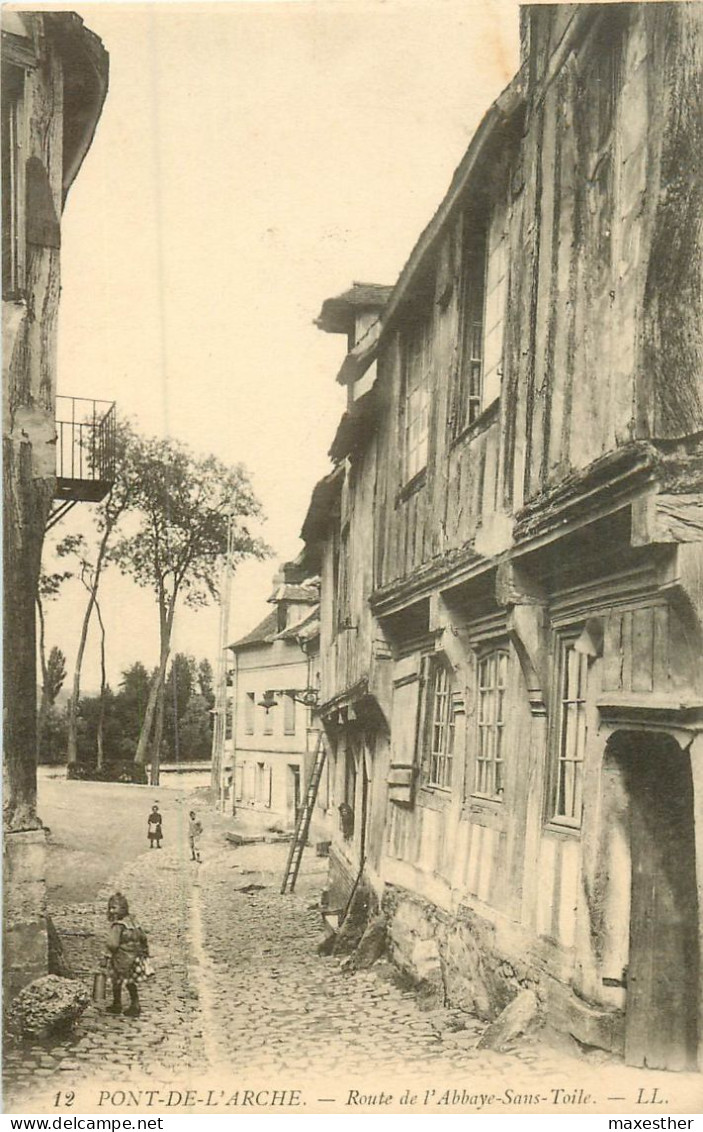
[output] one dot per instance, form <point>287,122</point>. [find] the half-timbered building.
<point>510,550</point>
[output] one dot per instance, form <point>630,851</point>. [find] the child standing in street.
<point>126,949</point>
<point>154,827</point>
<point>195,830</point>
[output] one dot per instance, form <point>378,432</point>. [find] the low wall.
<point>25,939</point>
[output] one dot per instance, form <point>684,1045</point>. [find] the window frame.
<point>438,733</point>
<point>417,368</point>
<point>564,648</point>
<point>480,260</point>
<point>263,784</point>
<point>341,593</point>
<point>493,727</point>
<point>468,404</point>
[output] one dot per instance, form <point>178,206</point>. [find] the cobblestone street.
<point>241,1001</point>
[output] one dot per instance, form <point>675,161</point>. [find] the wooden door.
<point>661,1029</point>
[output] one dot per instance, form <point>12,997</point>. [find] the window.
<point>13,160</point>
<point>249,707</point>
<point>570,736</point>
<point>342,590</point>
<point>484,300</point>
<point>490,721</point>
<point>441,727</point>
<point>416,399</point>
<point>263,785</point>
<point>471,377</point>
<point>288,715</point>
<point>496,295</point>
<point>268,721</point>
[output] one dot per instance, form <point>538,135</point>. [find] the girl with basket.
<point>127,958</point>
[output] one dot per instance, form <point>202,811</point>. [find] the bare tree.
<point>119,500</point>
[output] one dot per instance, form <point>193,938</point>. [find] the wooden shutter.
<point>404,739</point>
<point>249,713</point>
<point>288,715</point>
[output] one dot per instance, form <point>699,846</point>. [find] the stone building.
<point>273,731</point>
<point>54,82</point>
<point>510,550</point>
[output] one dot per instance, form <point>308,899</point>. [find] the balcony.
<point>85,453</point>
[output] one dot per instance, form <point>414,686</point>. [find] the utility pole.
<point>220,728</point>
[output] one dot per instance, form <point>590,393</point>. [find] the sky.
<point>252,159</point>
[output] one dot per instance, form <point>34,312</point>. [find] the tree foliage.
<point>188,704</point>
<point>165,524</point>
<point>121,716</point>
<point>55,674</point>
<point>186,505</point>
<point>184,502</point>
<point>48,590</point>
<point>205,683</point>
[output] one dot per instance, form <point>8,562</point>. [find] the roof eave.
<point>502,113</point>
<point>322,494</point>
<point>338,313</point>
<point>86,72</point>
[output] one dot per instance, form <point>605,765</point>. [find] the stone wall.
<point>25,941</point>
<point>453,955</point>
<point>456,959</point>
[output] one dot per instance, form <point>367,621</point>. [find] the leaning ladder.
<point>302,824</point>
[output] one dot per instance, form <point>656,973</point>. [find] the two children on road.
<point>155,831</point>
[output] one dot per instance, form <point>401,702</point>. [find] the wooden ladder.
<point>302,824</point>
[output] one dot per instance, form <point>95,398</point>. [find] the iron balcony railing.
<point>85,448</point>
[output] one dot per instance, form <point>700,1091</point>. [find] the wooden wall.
<point>597,351</point>
<point>474,847</point>
<point>588,367</point>
<point>346,645</point>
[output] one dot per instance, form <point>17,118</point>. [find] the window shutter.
<point>249,708</point>
<point>404,742</point>
<point>288,715</point>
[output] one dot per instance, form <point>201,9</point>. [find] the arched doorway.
<point>661,1025</point>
